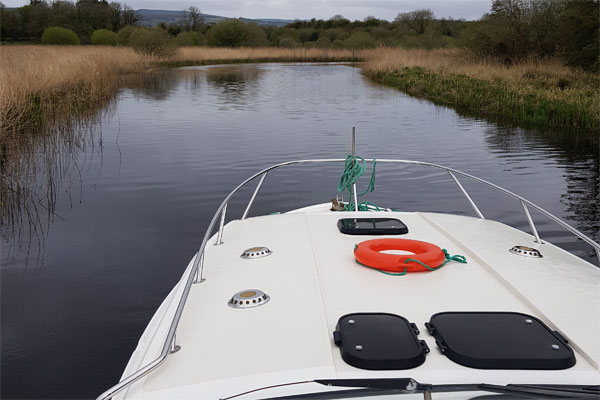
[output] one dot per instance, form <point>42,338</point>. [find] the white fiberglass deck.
<point>313,280</point>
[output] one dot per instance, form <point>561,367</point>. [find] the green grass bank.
<point>494,99</point>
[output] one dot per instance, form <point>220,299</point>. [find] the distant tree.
<point>515,29</point>
<point>152,42</point>
<point>254,36</point>
<point>116,18</point>
<point>64,13</point>
<point>124,35</point>
<point>360,40</point>
<point>174,29</point>
<point>57,35</point>
<point>323,42</point>
<point>11,26</point>
<point>192,20</point>
<point>38,19</point>
<point>371,21</point>
<point>93,15</point>
<point>336,34</point>
<point>227,33</point>
<point>543,29</point>
<point>288,42</point>
<point>189,38</point>
<point>308,35</point>
<point>128,15</point>
<point>416,20</point>
<point>234,33</point>
<point>579,34</point>
<point>104,37</point>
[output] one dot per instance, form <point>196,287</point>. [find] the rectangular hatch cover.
<point>379,341</point>
<point>372,226</point>
<point>499,340</point>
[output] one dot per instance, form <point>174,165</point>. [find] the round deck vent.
<point>248,298</point>
<point>525,251</point>
<point>256,252</point>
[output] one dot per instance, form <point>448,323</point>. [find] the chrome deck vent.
<point>525,251</point>
<point>248,298</point>
<point>256,252</point>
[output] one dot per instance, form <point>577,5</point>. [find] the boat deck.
<point>313,280</point>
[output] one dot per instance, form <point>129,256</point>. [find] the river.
<point>130,204</point>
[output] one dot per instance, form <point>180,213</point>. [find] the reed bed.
<point>531,92</point>
<point>212,55</point>
<point>36,81</point>
<point>49,98</point>
<point>42,81</point>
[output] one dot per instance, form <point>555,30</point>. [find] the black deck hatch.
<point>379,341</point>
<point>372,226</point>
<point>499,340</point>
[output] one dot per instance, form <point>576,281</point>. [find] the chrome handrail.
<point>196,273</point>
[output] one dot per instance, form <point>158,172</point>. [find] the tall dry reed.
<point>265,54</point>
<point>34,79</point>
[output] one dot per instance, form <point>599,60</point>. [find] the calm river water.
<point>132,202</point>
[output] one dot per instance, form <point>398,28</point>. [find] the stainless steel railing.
<point>195,275</point>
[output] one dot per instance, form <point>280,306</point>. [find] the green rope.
<point>354,168</point>
<point>457,258</point>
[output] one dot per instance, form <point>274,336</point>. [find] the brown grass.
<point>268,54</point>
<point>58,78</point>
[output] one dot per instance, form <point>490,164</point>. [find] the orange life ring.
<point>368,253</point>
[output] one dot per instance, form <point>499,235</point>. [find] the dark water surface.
<point>131,207</point>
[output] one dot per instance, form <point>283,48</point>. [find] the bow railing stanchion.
<point>466,195</point>
<point>174,347</point>
<point>198,275</point>
<point>262,178</point>
<point>221,226</point>
<point>531,224</point>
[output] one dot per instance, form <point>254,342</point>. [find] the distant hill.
<point>153,17</point>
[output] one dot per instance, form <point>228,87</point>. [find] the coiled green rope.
<point>354,168</point>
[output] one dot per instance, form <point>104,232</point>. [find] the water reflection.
<point>234,85</point>
<point>157,85</point>
<point>576,153</point>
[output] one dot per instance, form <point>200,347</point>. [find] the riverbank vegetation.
<point>533,92</point>
<point>42,82</point>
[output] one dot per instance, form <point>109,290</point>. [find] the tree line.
<point>516,29</point>
<point>512,30</point>
<point>83,17</point>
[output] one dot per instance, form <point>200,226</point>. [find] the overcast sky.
<point>306,9</point>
